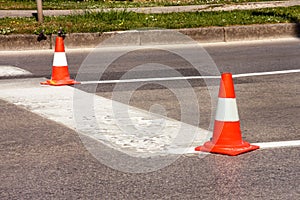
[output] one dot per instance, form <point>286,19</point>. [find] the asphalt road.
<point>41,159</point>
<point>235,58</point>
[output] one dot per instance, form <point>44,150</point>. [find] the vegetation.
<point>91,4</point>
<point>113,20</point>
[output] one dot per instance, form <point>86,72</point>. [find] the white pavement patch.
<point>9,71</point>
<point>56,103</point>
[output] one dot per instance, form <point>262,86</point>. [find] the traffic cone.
<point>227,137</point>
<point>60,73</point>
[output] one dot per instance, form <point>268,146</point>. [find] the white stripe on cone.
<point>60,59</point>
<point>227,110</point>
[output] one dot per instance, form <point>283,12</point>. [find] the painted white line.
<point>189,77</point>
<point>266,145</point>
<point>149,79</point>
<point>145,133</point>
<point>266,73</point>
<point>9,71</point>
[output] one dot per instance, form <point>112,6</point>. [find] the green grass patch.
<point>91,4</point>
<point>116,21</point>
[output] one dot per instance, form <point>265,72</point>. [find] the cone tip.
<point>226,86</point>
<point>59,44</point>
<point>226,75</point>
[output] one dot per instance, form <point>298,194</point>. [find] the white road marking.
<point>10,71</point>
<point>146,133</point>
<point>266,145</point>
<point>190,77</point>
<point>149,79</point>
<point>56,103</point>
<point>266,73</point>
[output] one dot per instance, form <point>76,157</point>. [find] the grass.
<point>90,4</point>
<point>112,21</point>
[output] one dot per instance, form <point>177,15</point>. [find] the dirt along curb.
<point>201,35</point>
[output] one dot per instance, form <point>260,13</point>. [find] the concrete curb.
<point>201,35</point>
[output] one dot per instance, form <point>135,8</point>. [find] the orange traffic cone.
<point>60,72</point>
<point>227,137</point>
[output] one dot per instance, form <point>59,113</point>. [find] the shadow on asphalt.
<point>298,29</point>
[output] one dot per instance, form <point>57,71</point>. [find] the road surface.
<point>44,159</point>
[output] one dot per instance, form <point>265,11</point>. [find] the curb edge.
<point>201,35</point>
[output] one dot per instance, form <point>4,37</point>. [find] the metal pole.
<point>40,11</point>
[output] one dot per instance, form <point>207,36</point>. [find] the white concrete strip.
<point>190,77</point>
<point>60,59</point>
<point>266,145</point>
<point>10,71</point>
<point>227,110</point>
<point>122,127</point>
